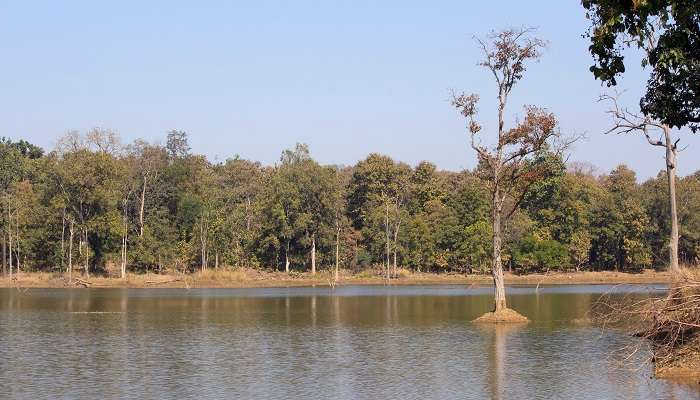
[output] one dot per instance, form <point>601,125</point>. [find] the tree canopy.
<point>240,213</point>
<point>668,32</point>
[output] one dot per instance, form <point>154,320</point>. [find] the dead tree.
<point>625,121</point>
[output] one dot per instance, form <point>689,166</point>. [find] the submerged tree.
<point>508,165</point>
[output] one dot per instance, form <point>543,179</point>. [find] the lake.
<point>352,342</point>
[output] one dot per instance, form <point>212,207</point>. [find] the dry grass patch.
<point>222,275</point>
<point>505,316</point>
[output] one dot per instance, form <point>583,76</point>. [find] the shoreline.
<point>239,279</point>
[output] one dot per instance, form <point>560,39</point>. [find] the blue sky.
<point>253,78</point>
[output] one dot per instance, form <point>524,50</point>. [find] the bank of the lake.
<point>250,278</point>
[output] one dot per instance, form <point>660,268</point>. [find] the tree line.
<point>93,205</point>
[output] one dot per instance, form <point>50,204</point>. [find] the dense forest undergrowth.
<point>95,206</point>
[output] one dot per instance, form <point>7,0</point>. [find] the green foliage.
<point>378,194</point>
<point>177,144</point>
<point>301,206</point>
<point>540,254</point>
<point>689,215</point>
<point>619,224</point>
<point>667,32</point>
<point>239,213</point>
<point>475,249</point>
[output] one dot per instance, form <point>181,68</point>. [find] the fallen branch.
<point>669,325</point>
<point>162,282</point>
<point>82,282</point>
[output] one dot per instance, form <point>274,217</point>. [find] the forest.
<point>95,206</point>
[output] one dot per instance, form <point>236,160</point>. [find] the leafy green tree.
<point>89,185</point>
<point>619,224</point>
<point>24,148</point>
<point>178,144</point>
<point>475,250</point>
<point>301,206</point>
<point>689,214</point>
<point>378,195</point>
<point>426,187</point>
<point>12,170</point>
<point>242,183</point>
<point>667,33</point>
<point>280,212</point>
<point>540,254</point>
<point>561,208</point>
<point>579,248</point>
<point>463,232</point>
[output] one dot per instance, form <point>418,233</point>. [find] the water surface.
<point>354,342</point>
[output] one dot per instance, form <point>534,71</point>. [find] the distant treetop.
<point>23,147</point>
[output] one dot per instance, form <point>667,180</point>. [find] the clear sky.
<point>255,77</point>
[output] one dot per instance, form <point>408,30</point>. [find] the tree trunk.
<point>496,212</point>
<point>247,213</point>
<point>386,223</point>
<point>143,201</point>
<point>122,273</point>
<point>9,235</point>
<point>87,255</point>
<point>17,243</point>
<point>124,251</point>
<point>63,238</point>
<point>70,253</point>
<point>396,246</point>
<point>216,260</point>
<point>286,259</point>
<point>671,175</point>
<point>337,253</point>
<point>203,240</point>
<point>4,255</point>
<point>396,235</point>
<point>313,254</point>
<point>202,256</point>
<point>497,266</point>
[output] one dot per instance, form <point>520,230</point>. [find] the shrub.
<point>538,254</point>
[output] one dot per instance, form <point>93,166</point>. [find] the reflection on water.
<point>497,351</point>
<point>349,343</point>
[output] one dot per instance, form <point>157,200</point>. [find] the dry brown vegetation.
<point>669,325</point>
<point>503,316</point>
<point>248,277</point>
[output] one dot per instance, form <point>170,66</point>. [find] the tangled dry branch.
<point>669,325</point>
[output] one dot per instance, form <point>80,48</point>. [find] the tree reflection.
<point>499,335</point>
